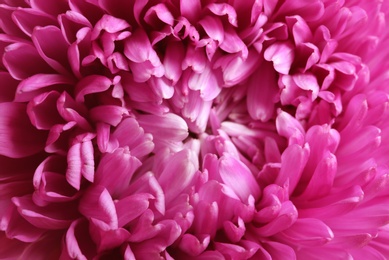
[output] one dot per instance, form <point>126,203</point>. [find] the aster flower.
<point>194,129</point>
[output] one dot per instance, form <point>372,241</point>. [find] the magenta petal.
<point>139,143</point>
<point>18,138</point>
<point>237,176</point>
<point>285,219</point>
<point>260,101</point>
<point>279,250</point>
<point>233,232</point>
<point>39,83</point>
<point>192,245</point>
<point>282,56</point>
<point>15,226</point>
<point>22,61</point>
<point>77,242</point>
<point>161,12</point>
<point>191,10</point>
<point>166,127</point>
<point>109,114</point>
<point>131,207</point>
<point>80,160</point>
<point>173,59</point>
<point>28,19</point>
<point>224,9</point>
<point>52,47</point>
<point>213,27</point>
<point>293,161</point>
<point>109,24</point>
<point>53,216</point>
<point>124,164</point>
<point>97,203</point>
<point>308,232</point>
<point>290,128</point>
<point>322,179</point>
<point>138,48</point>
<point>90,85</point>
<point>184,162</point>
<point>41,113</point>
<point>232,43</point>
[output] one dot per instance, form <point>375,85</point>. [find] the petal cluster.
<point>194,129</point>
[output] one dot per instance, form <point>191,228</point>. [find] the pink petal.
<point>166,127</point>
<point>70,22</point>
<point>224,9</point>
<point>190,10</point>
<point>300,29</point>
<point>11,248</point>
<point>22,61</point>
<point>52,47</point>
<point>16,227</point>
<point>236,68</point>
<point>161,12</point>
<point>237,176</point>
<point>233,232</point>
<point>72,111</point>
<point>109,114</point>
<point>28,19</point>
<point>139,143</point>
<point>213,27</point>
<point>290,128</point>
<point>131,207</point>
<point>308,232</point>
<point>233,44</point>
<point>260,101</point>
<point>97,203</point>
<point>53,216</point>
<point>279,250</point>
<point>206,82</point>
<point>109,24</point>
<point>50,8</point>
<point>124,164</point>
<point>144,228</point>
<point>162,87</point>
<point>77,242</point>
<point>285,219</point>
<point>40,83</point>
<point>90,85</point>
<point>293,161</point>
<point>138,48</point>
<point>206,220</point>
<point>337,203</point>
<point>173,59</point>
<point>322,179</point>
<point>307,81</point>
<point>42,111</point>
<point>18,138</point>
<point>184,162</point>
<point>192,245</point>
<point>282,56</point>
<point>80,160</point>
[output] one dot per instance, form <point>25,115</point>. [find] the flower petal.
<point>18,138</point>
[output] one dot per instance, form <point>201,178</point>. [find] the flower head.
<point>194,129</point>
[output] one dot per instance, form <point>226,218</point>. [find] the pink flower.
<point>194,129</point>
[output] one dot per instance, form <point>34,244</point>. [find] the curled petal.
<point>80,160</point>
<point>282,56</point>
